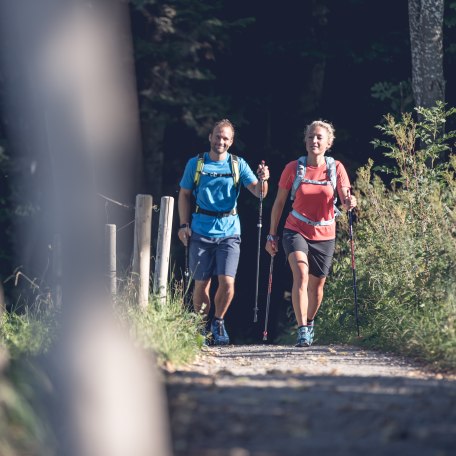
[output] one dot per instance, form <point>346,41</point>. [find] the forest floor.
<point>272,400</point>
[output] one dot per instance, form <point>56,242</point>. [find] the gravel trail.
<point>272,400</point>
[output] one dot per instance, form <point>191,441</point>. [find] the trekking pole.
<point>352,246</point>
<point>259,225</point>
<point>268,301</point>
<point>186,275</point>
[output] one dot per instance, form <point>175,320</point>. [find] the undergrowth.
<point>166,326</point>
<point>27,333</point>
<point>405,247</point>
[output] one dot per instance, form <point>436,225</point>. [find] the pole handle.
<point>348,196</point>
<point>261,189</point>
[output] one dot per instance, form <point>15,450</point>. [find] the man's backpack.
<point>234,162</point>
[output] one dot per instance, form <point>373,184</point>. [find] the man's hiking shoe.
<point>305,336</point>
<point>219,334</point>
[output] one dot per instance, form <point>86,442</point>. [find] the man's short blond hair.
<point>224,123</point>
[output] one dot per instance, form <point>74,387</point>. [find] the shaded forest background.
<point>271,68</point>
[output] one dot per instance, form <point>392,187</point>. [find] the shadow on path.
<point>281,401</point>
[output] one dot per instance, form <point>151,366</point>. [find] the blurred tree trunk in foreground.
<point>83,137</point>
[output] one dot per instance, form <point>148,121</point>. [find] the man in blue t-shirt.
<point>213,231</point>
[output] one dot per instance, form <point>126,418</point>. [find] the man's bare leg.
<point>201,297</point>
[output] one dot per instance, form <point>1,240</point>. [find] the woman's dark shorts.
<point>319,253</point>
<point>213,256</point>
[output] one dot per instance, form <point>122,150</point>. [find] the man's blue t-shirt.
<point>217,194</point>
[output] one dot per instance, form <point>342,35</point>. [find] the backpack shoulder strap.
<point>332,175</point>
<point>301,166</point>
<point>199,168</point>
<point>235,169</point>
<point>332,172</point>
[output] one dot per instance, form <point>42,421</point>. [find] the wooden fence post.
<point>111,247</point>
<point>163,246</point>
<point>141,248</point>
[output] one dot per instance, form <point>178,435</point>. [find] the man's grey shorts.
<point>213,256</point>
<point>319,253</point>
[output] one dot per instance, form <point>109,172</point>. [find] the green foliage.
<point>30,327</point>
<point>398,97</point>
<point>450,16</point>
<point>166,326</point>
<point>176,47</point>
<point>405,240</point>
<point>26,334</point>
<point>23,429</point>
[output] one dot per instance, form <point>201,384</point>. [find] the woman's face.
<point>317,141</point>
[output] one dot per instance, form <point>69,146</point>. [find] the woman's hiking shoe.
<point>219,334</point>
<point>311,332</point>
<point>305,336</point>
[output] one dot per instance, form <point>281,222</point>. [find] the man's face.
<point>221,139</point>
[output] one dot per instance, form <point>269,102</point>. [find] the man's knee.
<point>202,286</point>
<point>226,284</point>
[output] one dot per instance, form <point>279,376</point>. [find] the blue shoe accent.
<point>305,336</point>
<point>311,332</point>
<point>219,334</point>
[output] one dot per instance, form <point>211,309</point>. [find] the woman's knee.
<point>317,284</point>
<point>300,276</point>
<point>299,265</point>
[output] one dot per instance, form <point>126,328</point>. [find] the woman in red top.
<point>310,230</point>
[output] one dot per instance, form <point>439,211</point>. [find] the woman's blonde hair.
<point>324,124</point>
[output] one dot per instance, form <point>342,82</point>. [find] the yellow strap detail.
<point>199,167</point>
<point>235,169</point>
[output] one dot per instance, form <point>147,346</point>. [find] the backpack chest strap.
<point>312,222</point>
<point>203,173</point>
<point>315,182</point>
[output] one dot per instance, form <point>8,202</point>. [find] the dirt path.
<point>266,400</point>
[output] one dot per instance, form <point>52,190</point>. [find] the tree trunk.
<point>426,41</point>
<point>310,96</point>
